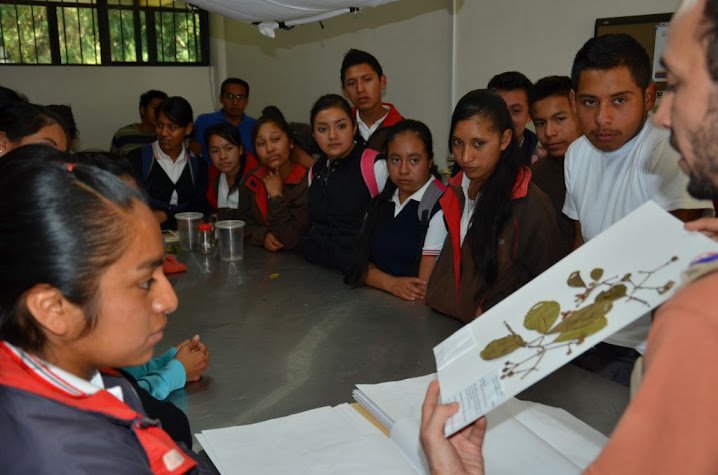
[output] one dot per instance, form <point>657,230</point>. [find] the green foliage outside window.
<point>83,36</point>
<point>25,37</point>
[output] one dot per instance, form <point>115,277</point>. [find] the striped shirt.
<point>130,137</point>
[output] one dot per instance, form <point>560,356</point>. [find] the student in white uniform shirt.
<point>173,177</point>
<point>363,81</point>
<point>622,161</point>
<point>403,230</point>
<point>226,151</point>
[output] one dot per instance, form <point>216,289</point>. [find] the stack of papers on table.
<point>389,402</point>
<point>322,441</point>
<point>522,437</point>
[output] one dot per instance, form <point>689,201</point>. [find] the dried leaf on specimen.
<point>614,293</point>
<point>575,280</point>
<point>580,333</point>
<point>542,316</point>
<point>583,316</point>
<point>502,347</point>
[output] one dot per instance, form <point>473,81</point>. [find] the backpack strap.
<point>148,159</point>
<point>428,201</point>
<point>368,157</point>
<point>194,166</point>
<point>425,211</point>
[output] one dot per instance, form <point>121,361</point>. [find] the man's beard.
<point>701,187</point>
<point>703,175</point>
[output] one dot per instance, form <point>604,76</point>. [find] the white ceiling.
<point>291,12</point>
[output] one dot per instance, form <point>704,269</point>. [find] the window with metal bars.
<point>103,32</point>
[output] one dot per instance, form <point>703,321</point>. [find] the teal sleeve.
<point>162,382</point>
<point>160,379</point>
<point>164,358</point>
<point>155,364</point>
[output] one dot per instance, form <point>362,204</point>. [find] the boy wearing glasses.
<point>234,95</point>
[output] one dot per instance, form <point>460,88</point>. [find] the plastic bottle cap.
<point>204,227</point>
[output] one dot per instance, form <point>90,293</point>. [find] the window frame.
<point>103,9</point>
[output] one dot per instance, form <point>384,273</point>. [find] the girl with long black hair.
<point>502,229</point>
<point>273,196</point>
<point>229,165</point>
<point>403,228</point>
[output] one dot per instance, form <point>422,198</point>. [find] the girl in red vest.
<point>230,164</point>
<point>79,292</point>
<point>273,196</point>
<point>502,229</point>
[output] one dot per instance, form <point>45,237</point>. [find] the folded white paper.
<point>522,437</point>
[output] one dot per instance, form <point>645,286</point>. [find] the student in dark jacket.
<point>403,230</point>
<point>556,127</point>
<point>341,183</point>
<point>273,196</point>
<point>173,177</point>
<point>230,164</point>
<point>101,302</point>
<point>502,229</point>
<point>514,87</point>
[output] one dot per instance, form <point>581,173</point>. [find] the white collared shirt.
<point>63,380</point>
<point>364,130</point>
<point>416,196</point>
<point>173,168</point>
<point>469,206</point>
<point>226,198</point>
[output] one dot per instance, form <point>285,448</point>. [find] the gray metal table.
<point>303,339</point>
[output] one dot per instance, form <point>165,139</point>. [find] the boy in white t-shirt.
<point>620,162</point>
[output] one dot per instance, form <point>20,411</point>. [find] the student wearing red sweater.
<point>273,196</point>
<point>100,303</point>
<point>363,82</point>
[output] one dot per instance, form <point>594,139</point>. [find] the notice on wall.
<point>659,72</point>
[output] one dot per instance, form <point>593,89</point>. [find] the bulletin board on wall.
<point>643,28</point>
